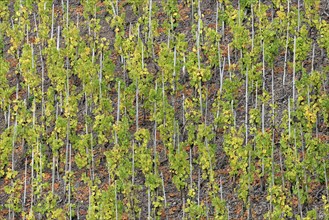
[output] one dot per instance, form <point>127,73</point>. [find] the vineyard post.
<point>294,76</point>
<point>263,104</point>
<point>289,117</point>
<point>246,107</point>
<point>66,156</point>
<point>42,81</point>
<point>246,141</point>
<point>164,191</point>
<point>32,178</point>
<point>58,36</point>
<point>286,48</point>
<point>174,77</point>
<point>272,142</point>
<point>252,27</point>
<point>32,66</point>
<point>183,115</point>
<point>326,178</point>
<point>155,133</point>
<point>92,157</point>
<point>191,169</point>
<point>273,129</point>
<point>136,98</point>
<point>52,22</point>
<point>67,13</point>
<point>216,17</point>
<point>116,200</point>
<point>313,56</point>
<point>118,113</point>
<point>100,76</point>
<point>303,162</point>
<point>148,203</point>
<point>221,68</point>
<point>298,9</point>
<point>183,208</point>
<point>150,21</point>
<point>113,9</point>
<point>69,171</point>
<point>229,60</point>
<point>25,183</point>
<point>199,184</point>
<point>297,177</point>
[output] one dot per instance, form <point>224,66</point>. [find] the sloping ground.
<point>141,109</point>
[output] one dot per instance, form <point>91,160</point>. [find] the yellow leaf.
<point>281,15</point>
